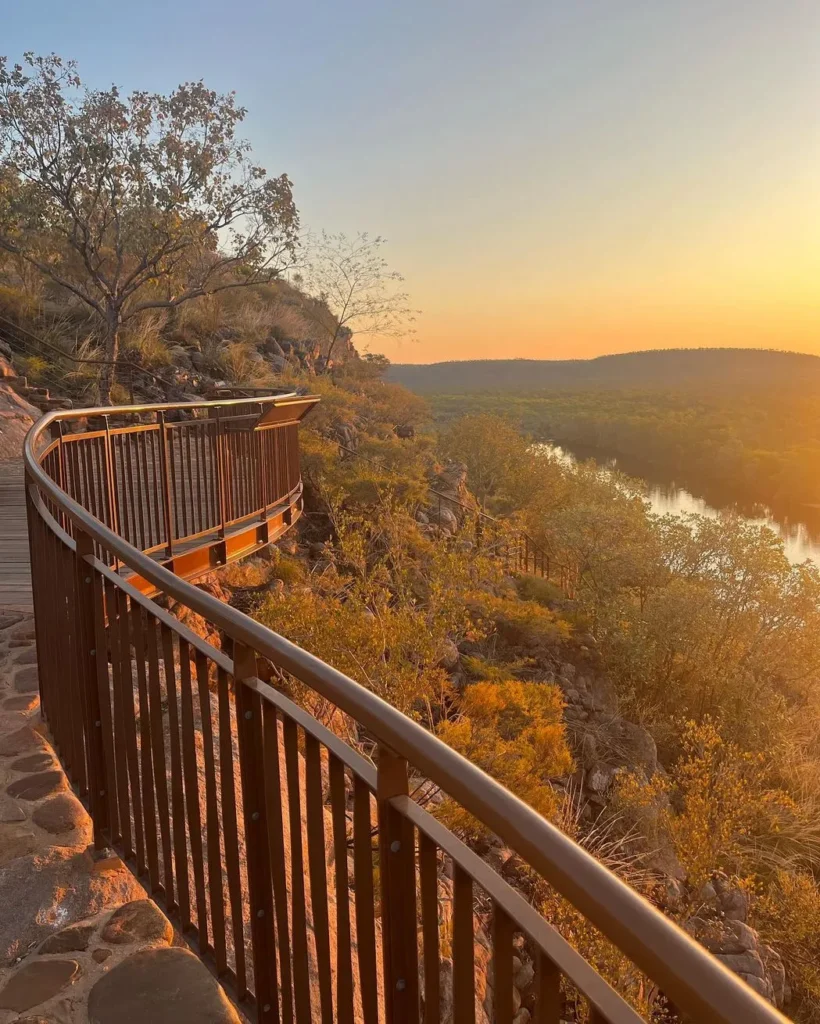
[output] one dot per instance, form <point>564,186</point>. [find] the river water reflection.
<point>801,539</point>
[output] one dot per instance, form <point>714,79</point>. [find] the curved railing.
<point>310,881</point>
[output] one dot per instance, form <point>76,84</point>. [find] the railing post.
<point>398,894</point>
<point>262,470</point>
<point>87,678</point>
<point>220,473</point>
<point>166,483</point>
<point>111,482</point>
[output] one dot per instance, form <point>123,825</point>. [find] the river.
<point>801,538</point>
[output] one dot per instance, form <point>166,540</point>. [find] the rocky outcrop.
<point>721,927</point>
<point>16,416</point>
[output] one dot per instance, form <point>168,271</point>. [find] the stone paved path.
<point>79,939</point>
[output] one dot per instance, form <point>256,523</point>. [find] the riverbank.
<point>800,536</point>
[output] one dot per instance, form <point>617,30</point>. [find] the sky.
<point>555,179</point>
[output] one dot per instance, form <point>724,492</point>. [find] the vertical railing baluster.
<point>502,966</point>
<point>463,947</point>
<point>344,953</point>
<point>220,473</point>
<point>548,1005</point>
<point>86,678</point>
<point>365,906</point>
<point>314,814</point>
<point>428,883</point>
<point>252,774</point>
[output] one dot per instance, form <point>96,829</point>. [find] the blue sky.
<point>554,178</point>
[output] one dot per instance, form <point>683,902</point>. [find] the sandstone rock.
<point>25,702</point>
<point>599,778</point>
<point>140,921</point>
<point>74,938</point>
<point>448,655</point>
<point>35,787</point>
<point>26,680</point>
<point>727,937</point>
<point>49,890</point>
<point>8,619</point>
<point>99,956</point>
<point>15,841</point>
<point>20,742</point>
<point>63,813</point>
<point>33,762</point>
<point>604,698</point>
<point>524,977</point>
<point>632,746</point>
<point>735,904</point>
<point>164,986</point>
<point>775,972</point>
<point>760,985</point>
<point>37,981</point>
<point>743,963</point>
<point>445,519</point>
<point>26,657</point>
<point>9,810</point>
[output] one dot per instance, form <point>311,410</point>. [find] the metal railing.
<point>307,878</point>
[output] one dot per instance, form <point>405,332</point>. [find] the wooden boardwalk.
<point>15,570</point>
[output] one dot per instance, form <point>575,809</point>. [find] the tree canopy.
<point>138,202</point>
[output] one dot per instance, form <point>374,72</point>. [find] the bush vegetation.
<point>704,629</point>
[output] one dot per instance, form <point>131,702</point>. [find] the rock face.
<point>722,929</point>
<point>16,416</point>
<point>164,986</point>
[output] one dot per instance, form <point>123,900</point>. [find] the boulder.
<point>63,813</point>
<point>140,921</point>
<point>164,986</point>
<point>74,938</point>
<point>445,519</point>
<point>631,746</point>
<point>448,655</point>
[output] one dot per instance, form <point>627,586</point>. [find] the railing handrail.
<point>689,976</point>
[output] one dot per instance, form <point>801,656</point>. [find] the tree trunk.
<point>112,348</point>
<point>332,345</point>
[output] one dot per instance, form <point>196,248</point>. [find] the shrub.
<point>515,732</point>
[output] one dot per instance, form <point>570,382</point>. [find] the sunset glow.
<point>555,179</point>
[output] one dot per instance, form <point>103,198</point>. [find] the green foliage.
<point>535,588</point>
<point>732,445</point>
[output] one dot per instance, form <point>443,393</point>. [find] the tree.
<point>134,203</point>
<point>354,288</point>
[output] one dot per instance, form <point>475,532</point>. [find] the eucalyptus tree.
<point>354,289</point>
<point>134,202</point>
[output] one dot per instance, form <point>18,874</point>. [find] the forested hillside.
<point>656,697</point>
<point>700,369</point>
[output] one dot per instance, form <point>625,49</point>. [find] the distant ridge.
<point>730,368</point>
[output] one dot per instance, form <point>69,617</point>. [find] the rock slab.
<point>62,813</point>
<point>164,986</point>
<point>139,921</point>
<point>36,982</point>
<point>35,787</point>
